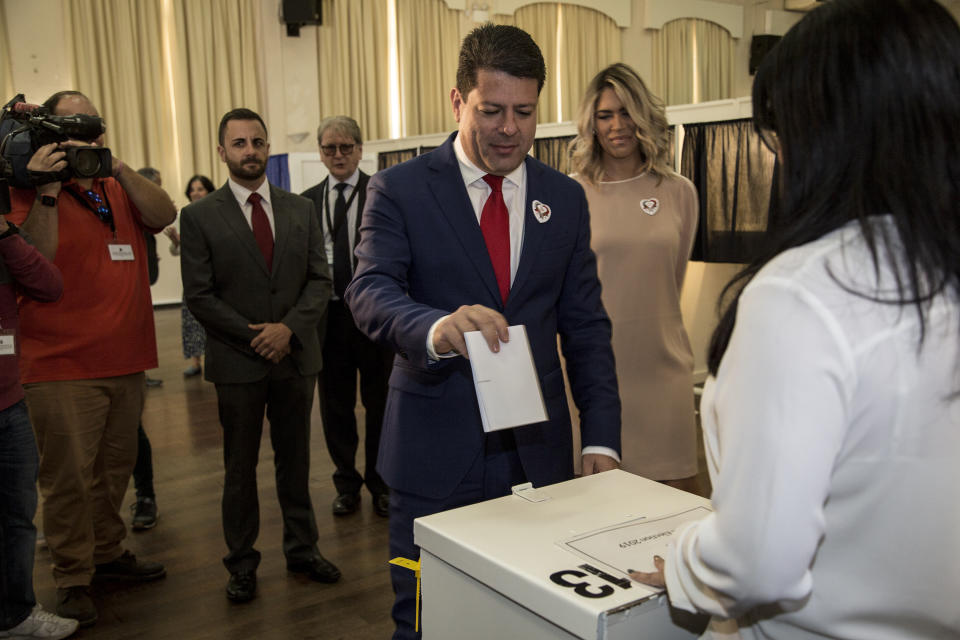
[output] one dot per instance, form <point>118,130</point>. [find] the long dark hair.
<point>862,100</point>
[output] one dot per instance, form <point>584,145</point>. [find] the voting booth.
<point>551,562</point>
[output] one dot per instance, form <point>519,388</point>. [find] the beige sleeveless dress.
<point>643,233</point>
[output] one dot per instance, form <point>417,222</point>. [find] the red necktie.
<point>495,225</point>
<point>261,229</point>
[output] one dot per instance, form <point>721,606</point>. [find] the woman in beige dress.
<point>643,220</point>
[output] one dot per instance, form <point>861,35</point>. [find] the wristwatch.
<point>47,201</point>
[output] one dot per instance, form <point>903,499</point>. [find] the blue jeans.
<point>19,464</point>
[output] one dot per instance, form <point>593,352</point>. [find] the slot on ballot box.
<point>556,566</point>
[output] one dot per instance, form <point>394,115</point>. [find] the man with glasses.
<point>339,200</point>
<point>83,359</point>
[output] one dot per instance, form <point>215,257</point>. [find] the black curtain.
<point>553,152</point>
<point>734,174</point>
<point>389,158</point>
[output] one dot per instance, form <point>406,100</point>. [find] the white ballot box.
<point>551,563</point>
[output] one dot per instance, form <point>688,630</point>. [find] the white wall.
<point>37,42</point>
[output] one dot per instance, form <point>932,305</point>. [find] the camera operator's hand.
<point>48,159</point>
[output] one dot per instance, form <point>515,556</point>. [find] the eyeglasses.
<point>331,149</point>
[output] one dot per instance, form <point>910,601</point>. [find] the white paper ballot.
<point>632,545</point>
<point>508,389</point>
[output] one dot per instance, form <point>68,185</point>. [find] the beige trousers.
<point>87,436</point>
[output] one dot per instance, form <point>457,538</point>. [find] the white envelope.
<point>508,389</point>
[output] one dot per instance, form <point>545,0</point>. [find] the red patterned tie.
<point>261,229</point>
<point>495,225</point>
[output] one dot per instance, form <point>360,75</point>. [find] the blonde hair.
<point>645,109</point>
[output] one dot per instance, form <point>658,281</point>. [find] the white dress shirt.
<point>514,190</point>
<point>241,193</point>
<point>352,213</point>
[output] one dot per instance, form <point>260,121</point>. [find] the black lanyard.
<point>326,206</point>
<point>106,218</point>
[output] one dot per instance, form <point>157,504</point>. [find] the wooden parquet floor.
<point>181,421</point>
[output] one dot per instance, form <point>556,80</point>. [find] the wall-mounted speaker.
<point>759,47</point>
<point>297,13</point>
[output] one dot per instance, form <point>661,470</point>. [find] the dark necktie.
<point>495,225</point>
<point>261,229</point>
<point>342,267</point>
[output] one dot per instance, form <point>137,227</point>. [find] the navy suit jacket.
<point>420,257</point>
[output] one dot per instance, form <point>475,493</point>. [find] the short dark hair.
<point>150,174</point>
<point>204,180</point>
<point>499,47</point>
<point>862,97</point>
<point>52,102</point>
<point>238,114</point>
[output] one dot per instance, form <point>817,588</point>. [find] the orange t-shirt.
<point>103,325</point>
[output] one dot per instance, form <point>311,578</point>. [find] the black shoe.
<point>145,514</point>
<point>126,567</point>
<point>75,602</point>
<point>242,586</point>
<point>318,569</point>
<point>153,382</point>
<point>381,504</point>
<point>346,503</point>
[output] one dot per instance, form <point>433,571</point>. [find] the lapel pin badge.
<point>650,206</point>
<point>541,211</point>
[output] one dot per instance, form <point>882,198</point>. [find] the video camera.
<point>24,128</point>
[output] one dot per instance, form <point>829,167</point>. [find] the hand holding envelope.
<point>508,388</point>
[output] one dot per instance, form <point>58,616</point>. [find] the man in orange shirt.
<point>83,358</point>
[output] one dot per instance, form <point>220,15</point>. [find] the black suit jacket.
<point>226,283</point>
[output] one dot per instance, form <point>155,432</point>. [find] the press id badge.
<point>121,252</point>
<point>8,343</point>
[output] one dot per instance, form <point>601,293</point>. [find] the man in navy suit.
<point>476,236</point>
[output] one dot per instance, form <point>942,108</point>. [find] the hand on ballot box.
<point>654,578</point>
<point>598,463</point>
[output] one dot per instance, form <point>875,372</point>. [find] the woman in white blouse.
<point>832,419</point>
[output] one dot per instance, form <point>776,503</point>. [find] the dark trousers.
<point>345,352</point>
<point>143,469</point>
<point>287,402</point>
<point>492,475</point>
<point>19,464</point>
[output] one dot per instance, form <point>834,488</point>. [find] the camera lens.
<point>87,163</point>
